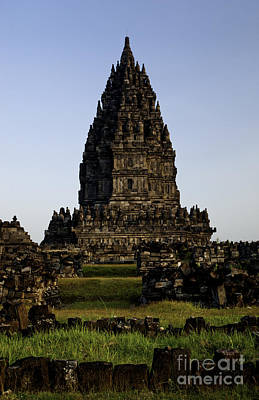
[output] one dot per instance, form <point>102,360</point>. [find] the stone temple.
<point>128,190</point>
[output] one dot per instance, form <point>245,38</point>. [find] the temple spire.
<point>127,56</point>
<point>127,43</point>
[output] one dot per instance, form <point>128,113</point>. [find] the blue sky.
<point>202,58</point>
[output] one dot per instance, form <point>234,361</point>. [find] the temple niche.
<point>128,190</point>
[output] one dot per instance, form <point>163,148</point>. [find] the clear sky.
<point>202,57</point>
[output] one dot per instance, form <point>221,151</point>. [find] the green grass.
<point>107,270</point>
<point>125,348</point>
<point>168,311</point>
<point>93,298</point>
<point>112,294</point>
<point>127,290</point>
<point>238,393</point>
<point>84,345</point>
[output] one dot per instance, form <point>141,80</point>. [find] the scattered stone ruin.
<point>24,275</point>
<point>28,275</point>
<point>128,190</point>
<point>71,376</point>
<point>217,274</point>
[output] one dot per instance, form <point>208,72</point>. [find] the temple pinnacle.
<point>127,56</point>
<point>127,42</point>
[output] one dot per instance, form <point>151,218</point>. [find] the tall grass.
<point>86,345</point>
<point>237,393</point>
<point>114,293</point>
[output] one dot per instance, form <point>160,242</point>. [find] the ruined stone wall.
<point>65,263</point>
<point>168,254</point>
<point>25,277</point>
<point>98,376</point>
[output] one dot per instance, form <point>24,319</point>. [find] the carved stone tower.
<point>128,190</point>
<point>128,154</point>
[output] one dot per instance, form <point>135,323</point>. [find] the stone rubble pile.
<point>25,277</point>
<point>66,263</point>
<point>217,274</point>
<point>29,274</point>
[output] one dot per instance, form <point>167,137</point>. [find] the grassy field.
<point>101,289</point>
<point>134,348</point>
<point>93,298</point>
<point>109,295</point>
<point>108,270</point>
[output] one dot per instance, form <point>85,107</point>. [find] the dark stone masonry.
<point>29,275</point>
<point>128,190</point>
<point>217,274</point>
<point>25,276</point>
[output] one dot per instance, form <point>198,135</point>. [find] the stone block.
<point>63,375</point>
<point>249,320</point>
<point>128,377</point>
<point>161,371</point>
<point>180,359</point>
<point>221,291</point>
<point>196,324</point>
<point>3,366</point>
<point>95,376</point>
<point>38,312</point>
<point>249,373</point>
<point>22,316</point>
<point>74,322</point>
<point>103,324</point>
<point>29,374</point>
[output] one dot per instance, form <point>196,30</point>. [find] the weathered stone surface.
<point>95,376</point>
<point>130,377</point>
<point>226,354</point>
<point>74,322</point>
<point>195,324</point>
<point>25,276</point>
<point>180,365</point>
<point>63,375</point>
<point>202,277</point>
<point>29,374</point>
<point>22,316</point>
<point>169,365</point>
<point>37,312</point>
<point>161,371</point>
<point>228,363</point>
<point>249,373</point>
<point>3,366</point>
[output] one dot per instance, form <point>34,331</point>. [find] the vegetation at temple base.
<point>85,345</point>
<point>93,298</point>
<point>241,392</point>
<point>108,270</point>
<point>96,297</point>
<point>102,289</point>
